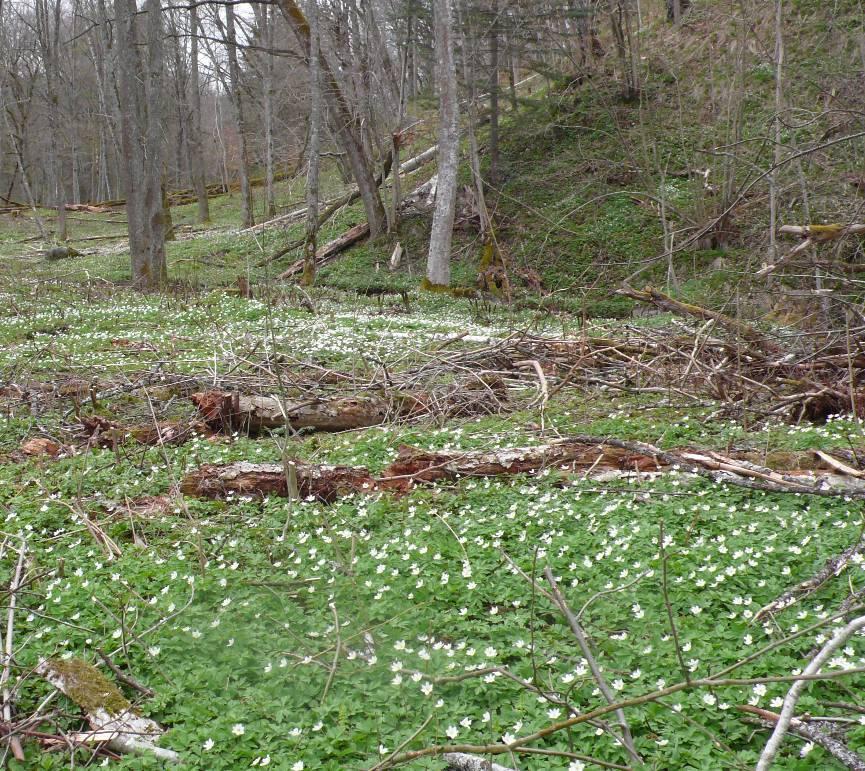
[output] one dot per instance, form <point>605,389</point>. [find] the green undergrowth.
<point>327,634</point>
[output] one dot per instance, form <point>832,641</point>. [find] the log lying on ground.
<point>584,454</point>
<point>321,482</point>
<point>330,250</point>
<point>223,411</point>
<point>738,328</point>
<point>424,466</point>
<point>112,718</point>
<point>101,432</point>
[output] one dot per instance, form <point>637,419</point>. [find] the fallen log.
<point>330,250</point>
<point>424,466</point>
<point>112,719</point>
<point>101,432</point>
<point>667,303</point>
<point>223,411</point>
<point>321,482</point>
<point>589,455</point>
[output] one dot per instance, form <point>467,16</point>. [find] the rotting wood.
<point>253,414</point>
<point>321,482</point>
<point>101,432</point>
<point>330,250</point>
<point>112,719</point>
<point>590,455</point>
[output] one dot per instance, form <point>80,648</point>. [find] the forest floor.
<point>329,635</point>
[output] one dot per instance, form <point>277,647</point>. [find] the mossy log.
<point>112,718</point>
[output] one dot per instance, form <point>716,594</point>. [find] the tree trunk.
<point>48,29</point>
<point>494,95</point>
<point>199,177</point>
<point>438,259</point>
<point>240,116</point>
<point>346,127</point>
<point>313,149</point>
<point>140,97</point>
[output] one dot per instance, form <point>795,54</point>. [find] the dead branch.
<point>8,648</point>
<point>667,303</point>
<point>111,717</point>
<point>832,567</point>
<point>819,732</point>
<point>461,761</point>
<point>790,701</point>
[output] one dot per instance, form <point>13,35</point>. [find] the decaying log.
<point>667,303</point>
<point>425,466</point>
<point>330,250</point>
<point>322,482</point>
<point>223,411</point>
<point>112,718</point>
<point>101,432</point>
<point>581,453</point>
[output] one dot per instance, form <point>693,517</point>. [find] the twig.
<point>14,742</point>
<point>122,676</point>
<point>582,641</point>
<point>685,674</point>
<point>790,701</point>
<point>337,650</point>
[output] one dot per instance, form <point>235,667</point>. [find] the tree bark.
<point>494,94</point>
<point>346,125</point>
<point>438,259</point>
<point>140,98</point>
<point>199,175</point>
<point>240,116</point>
<point>313,149</point>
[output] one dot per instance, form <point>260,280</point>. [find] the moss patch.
<point>88,687</point>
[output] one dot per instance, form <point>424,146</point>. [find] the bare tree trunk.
<point>140,97</point>
<point>439,257</point>
<point>199,177</point>
<point>776,155</point>
<point>240,116</point>
<point>346,127</point>
<point>48,30</point>
<point>494,94</point>
<point>313,148</point>
<point>270,194</point>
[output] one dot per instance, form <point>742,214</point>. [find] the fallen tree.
<point>223,411</point>
<point>227,412</point>
<point>112,719</point>
<point>588,455</point>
